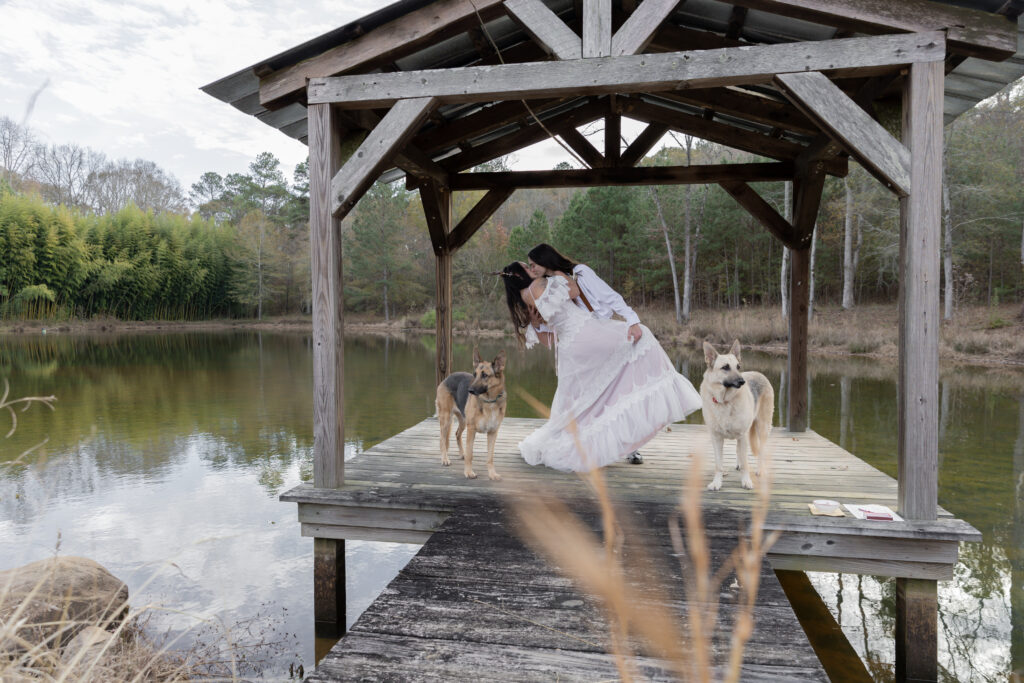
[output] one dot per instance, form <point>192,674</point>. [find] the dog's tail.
<point>764,410</point>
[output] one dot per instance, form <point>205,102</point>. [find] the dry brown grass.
<point>599,568</point>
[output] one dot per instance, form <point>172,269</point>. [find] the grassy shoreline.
<point>978,335</point>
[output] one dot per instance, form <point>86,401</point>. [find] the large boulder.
<point>53,600</point>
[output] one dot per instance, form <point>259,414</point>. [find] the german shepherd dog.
<point>736,405</point>
<point>478,401</point>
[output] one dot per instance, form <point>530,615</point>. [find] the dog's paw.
<point>716,483</point>
<point>493,476</point>
<point>445,461</point>
<point>470,474</point>
<point>746,482</point>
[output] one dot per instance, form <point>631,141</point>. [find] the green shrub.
<point>429,319</point>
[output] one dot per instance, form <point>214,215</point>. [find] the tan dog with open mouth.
<point>736,405</point>
<point>478,401</point>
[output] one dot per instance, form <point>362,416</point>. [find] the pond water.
<point>164,457</point>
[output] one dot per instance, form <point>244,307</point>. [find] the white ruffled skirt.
<point>613,396</point>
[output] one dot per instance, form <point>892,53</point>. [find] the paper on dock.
<point>833,513</point>
<point>860,510</point>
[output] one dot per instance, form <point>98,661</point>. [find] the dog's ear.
<point>710,354</point>
<point>499,362</point>
<point>476,357</point>
<point>735,348</point>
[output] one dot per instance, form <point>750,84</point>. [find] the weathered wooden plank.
<point>525,136</point>
<point>624,175</point>
<point>341,532</point>
<point>329,584</point>
<point>917,651</point>
<point>643,144</point>
<point>937,529</point>
<point>443,305</point>
<point>583,147</point>
<point>545,27</point>
<point>919,322</point>
<point>970,31</point>
<point>844,546</point>
<point>325,158</point>
<point>762,211</point>
<point>597,28</point>
<point>478,215</point>
<point>639,29</point>
<point>746,106</point>
<point>628,74</point>
<point>722,133</point>
<point>402,36</point>
<point>432,198</point>
<point>867,566</point>
<point>383,518</point>
<point>379,147</point>
<point>861,135</point>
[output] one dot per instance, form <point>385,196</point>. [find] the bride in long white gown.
<point>613,395</point>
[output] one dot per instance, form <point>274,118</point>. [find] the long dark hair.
<point>516,280</point>
<point>549,257</point>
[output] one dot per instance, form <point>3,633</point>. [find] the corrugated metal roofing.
<point>970,82</point>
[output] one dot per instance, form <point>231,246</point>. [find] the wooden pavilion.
<point>432,89</point>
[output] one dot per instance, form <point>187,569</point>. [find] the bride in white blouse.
<point>616,389</point>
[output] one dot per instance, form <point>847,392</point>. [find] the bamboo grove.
<point>238,246</point>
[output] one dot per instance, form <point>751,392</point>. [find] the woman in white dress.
<point>615,394</point>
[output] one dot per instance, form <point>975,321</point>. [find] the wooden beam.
<point>477,216</point>
<point>546,28</point>
<point>920,241</point>
<point>917,651</point>
<point>634,35</point>
<point>525,136</point>
<point>434,208</point>
<point>612,139</point>
<point>672,38</point>
<point>799,302</point>
<point>583,147</point>
<point>379,147</point>
<point>860,135</point>
<point>969,31</point>
<point>624,175</point>
<point>763,212</point>
<point>325,158</point>
<point>597,28</point>
<point>400,37</point>
<point>410,159</point>
<point>643,144</point>
<point>480,122</point>
<point>747,106</point>
<point>630,73</point>
<point>442,205</point>
<point>722,133</point>
<point>808,187</point>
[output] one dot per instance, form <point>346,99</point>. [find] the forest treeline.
<point>81,235</point>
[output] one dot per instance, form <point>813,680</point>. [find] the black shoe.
<point>635,458</point>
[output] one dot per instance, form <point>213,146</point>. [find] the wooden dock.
<point>475,598</point>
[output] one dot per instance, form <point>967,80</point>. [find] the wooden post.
<point>325,159</point>
<point>799,298</point>
<point>443,290</point>
<point>918,447</point>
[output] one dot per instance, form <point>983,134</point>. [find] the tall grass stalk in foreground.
<point>597,566</point>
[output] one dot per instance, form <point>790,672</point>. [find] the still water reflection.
<point>166,454</point>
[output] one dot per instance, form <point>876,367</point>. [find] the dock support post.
<point>799,301</point>
<point>325,158</point>
<point>919,326</point>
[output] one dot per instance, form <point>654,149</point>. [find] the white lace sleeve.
<point>531,337</point>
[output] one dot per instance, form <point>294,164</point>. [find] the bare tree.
<point>16,143</point>
<point>848,255</point>
<point>64,172</point>
<point>668,248</point>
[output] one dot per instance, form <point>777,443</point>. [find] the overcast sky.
<point>123,77</point>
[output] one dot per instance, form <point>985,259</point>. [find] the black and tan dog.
<point>477,400</point>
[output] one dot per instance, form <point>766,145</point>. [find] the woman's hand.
<point>634,333</point>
